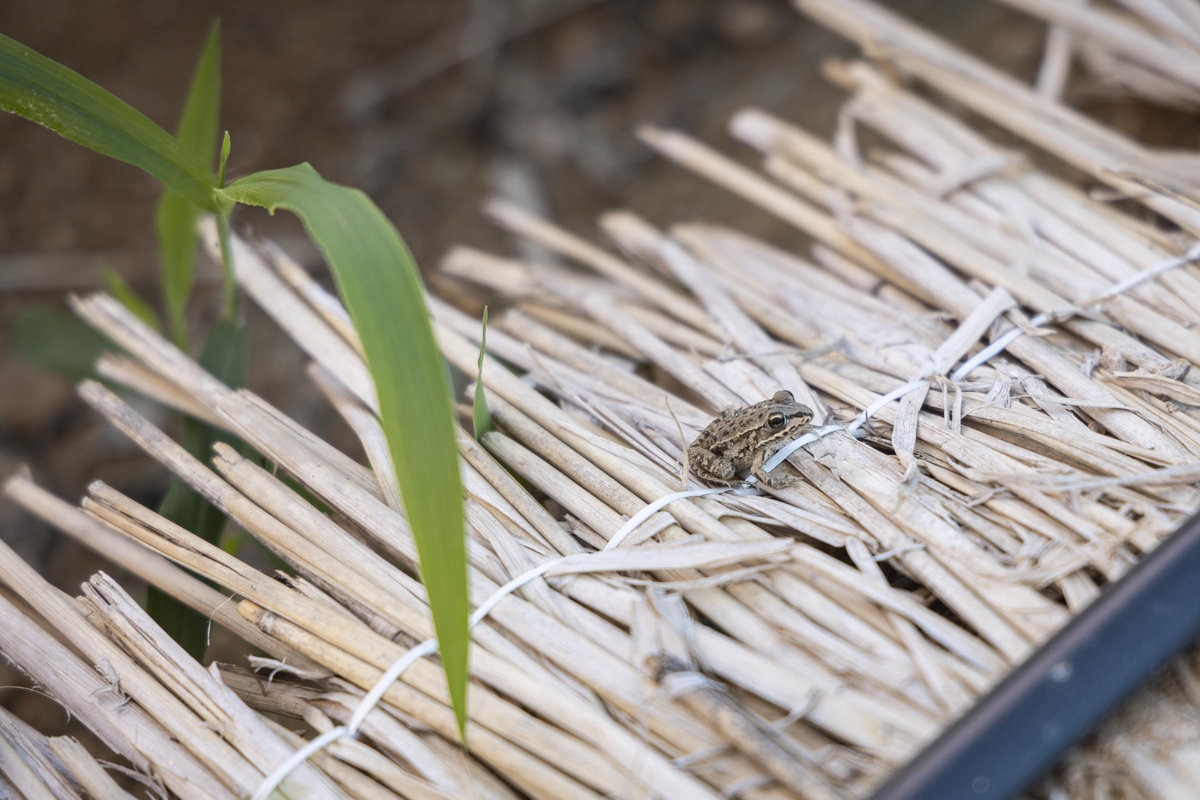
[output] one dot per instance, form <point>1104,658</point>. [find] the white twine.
<point>1192,254</point>
<point>782,453</point>
<point>984,355</point>
<point>637,519</point>
<point>299,757</point>
<point>430,646</point>
<point>998,346</point>
<point>995,348</point>
<point>393,673</point>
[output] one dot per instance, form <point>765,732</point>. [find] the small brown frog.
<point>741,439</point>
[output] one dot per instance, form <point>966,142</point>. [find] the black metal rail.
<point>1020,728</point>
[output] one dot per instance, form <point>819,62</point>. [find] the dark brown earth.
<point>340,85</point>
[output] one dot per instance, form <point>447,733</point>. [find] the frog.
<point>741,439</point>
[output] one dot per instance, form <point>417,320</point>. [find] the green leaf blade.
<point>383,293</point>
<point>44,91</point>
<point>481,417</point>
<point>175,221</point>
<point>199,124</point>
<point>224,160</point>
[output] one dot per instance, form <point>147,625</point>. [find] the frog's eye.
<point>776,420</point>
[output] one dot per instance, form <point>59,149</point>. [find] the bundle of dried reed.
<point>1151,50</point>
<point>792,642</point>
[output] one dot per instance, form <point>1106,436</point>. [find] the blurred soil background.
<point>430,108</point>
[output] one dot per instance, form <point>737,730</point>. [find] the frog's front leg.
<point>778,479</point>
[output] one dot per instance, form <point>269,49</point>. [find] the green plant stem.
<point>179,335</point>
<point>227,271</point>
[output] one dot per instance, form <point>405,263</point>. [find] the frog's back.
<point>722,430</point>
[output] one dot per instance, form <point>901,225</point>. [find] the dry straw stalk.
<point>799,642</point>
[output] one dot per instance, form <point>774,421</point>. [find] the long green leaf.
<point>176,218</point>
<point>39,89</point>
<point>382,290</point>
<point>379,282</point>
<point>201,112</point>
<point>225,355</point>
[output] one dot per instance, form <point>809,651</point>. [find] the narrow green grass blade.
<point>202,110</point>
<point>229,309</point>
<point>224,160</point>
<point>176,218</point>
<point>121,290</point>
<point>39,89</point>
<point>59,343</point>
<point>481,417</point>
<point>382,290</point>
<point>225,355</point>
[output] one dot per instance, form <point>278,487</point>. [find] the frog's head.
<point>782,415</point>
